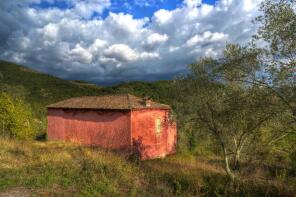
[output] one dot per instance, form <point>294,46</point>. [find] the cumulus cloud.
<point>206,37</point>
<point>162,16</point>
<point>81,54</point>
<point>192,3</point>
<point>71,43</point>
<point>121,53</point>
<point>154,39</point>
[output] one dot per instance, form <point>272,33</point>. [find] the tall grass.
<point>71,168</point>
<point>55,169</point>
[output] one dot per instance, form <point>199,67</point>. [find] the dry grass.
<point>52,165</point>
<point>65,169</point>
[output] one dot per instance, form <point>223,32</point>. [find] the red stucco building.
<point>116,122</point>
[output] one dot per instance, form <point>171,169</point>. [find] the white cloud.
<point>207,37</point>
<point>250,5</point>
<point>163,16</point>
<point>156,38</point>
<point>88,7</point>
<point>124,22</point>
<point>192,3</point>
<point>121,52</point>
<point>146,55</point>
<point>210,52</point>
<point>70,43</point>
<point>97,46</point>
<point>81,54</point>
<point>50,32</point>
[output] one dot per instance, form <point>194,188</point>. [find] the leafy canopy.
<point>16,120</point>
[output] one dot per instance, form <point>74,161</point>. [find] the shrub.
<point>16,120</point>
<point>293,162</point>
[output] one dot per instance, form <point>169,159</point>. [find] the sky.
<point>111,41</point>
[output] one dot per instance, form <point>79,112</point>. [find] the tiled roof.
<point>120,101</point>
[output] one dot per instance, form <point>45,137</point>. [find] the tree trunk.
<point>236,160</point>
<point>227,167</point>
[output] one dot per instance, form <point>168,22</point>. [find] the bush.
<point>293,162</point>
<point>16,120</point>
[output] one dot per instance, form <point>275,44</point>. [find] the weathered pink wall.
<point>109,129</point>
<point>115,129</point>
<point>153,144</point>
<point>172,137</point>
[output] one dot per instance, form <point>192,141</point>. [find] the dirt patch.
<point>16,192</point>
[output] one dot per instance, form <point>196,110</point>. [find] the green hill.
<point>41,89</point>
<point>38,87</point>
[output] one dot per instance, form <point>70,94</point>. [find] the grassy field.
<point>34,168</point>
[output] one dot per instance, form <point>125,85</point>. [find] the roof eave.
<point>137,108</point>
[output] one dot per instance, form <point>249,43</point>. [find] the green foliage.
<point>277,28</point>
<point>16,118</point>
<point>158,91</point>
<point>221,186</point>
<point>16,91</point>
<point>39,89</point>
<point>293,162</point>
<point>192,140</point>
<point>222,107</point>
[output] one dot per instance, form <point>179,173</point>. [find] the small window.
<point>158,125</point>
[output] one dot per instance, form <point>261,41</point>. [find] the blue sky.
<point>138,9</point>
<point>110,41</point>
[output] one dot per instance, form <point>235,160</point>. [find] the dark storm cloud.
<point>69,43</point>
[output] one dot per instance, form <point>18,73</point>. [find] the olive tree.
<point>277,33</point>
<point>225,107</point>
<point>236,96</point>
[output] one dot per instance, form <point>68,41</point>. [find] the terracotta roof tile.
<point>121,101</point>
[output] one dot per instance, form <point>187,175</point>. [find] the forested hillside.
<point>40,89</point>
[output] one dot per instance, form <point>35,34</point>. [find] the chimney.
<point>147,101</point>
